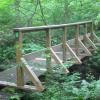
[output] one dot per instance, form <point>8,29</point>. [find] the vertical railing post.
<point>92,27</point>
<point>64,44</point>
<point>93,34</point>
<point>86,38</point>
<point>92,31</point>
<point>19,69</point>
<point>48,52</point>
<point>76,40</point>
<point>86,28</point>
<point>85,35</point>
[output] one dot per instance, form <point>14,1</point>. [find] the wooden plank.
<point>20,76</point>
<point>96,37</point>
<point>64,44</point>
<point>93,35</point>
<point>84,40</point>
<point>56,58</point>
<point>87,39</point>
<point>85,36</point>
<point>92,44</point>
<point>33,55</point>
<point>84,47</point>
<point>40,28</point>
<point>57,47</point>
<point>86,28</point>
<point>10,74</point>
<point>73,48</point>
<point>92,31</point>
<point>19,70</point>
<point>76,40</point>
<point>32,76</point>
<point>48,53</point>
<point>73,53</point>
<point>25,87</point>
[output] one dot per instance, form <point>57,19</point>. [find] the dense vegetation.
<point>20,13</point>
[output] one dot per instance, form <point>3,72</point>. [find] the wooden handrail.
<point>39,28</point>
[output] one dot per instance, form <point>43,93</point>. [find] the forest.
<point>83,80</point>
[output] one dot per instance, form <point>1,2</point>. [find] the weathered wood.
<point>20,76</point>
<point>84,40</point>
<point>40,28</point>
<point>92,31</point>
<point>48,53</point>
<point>96,37</point>
<point>93,35</point>
<point>48,38</point>
<point>64,44</point>
<point>38,53</point>
<point>85,35</point>
<point>25,87</point>
<point>76,40</point>
<point>92,44</point>
<point>19,70</point>
<point>56,58</point>
<point>32,76</point>
<point>73,53</point>
<point>84,47</point>
<point>9,75</point>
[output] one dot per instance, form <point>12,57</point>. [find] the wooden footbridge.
<point>31,66</point>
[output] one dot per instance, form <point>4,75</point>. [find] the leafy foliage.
<point>94,61</point>
<point>62,87</point>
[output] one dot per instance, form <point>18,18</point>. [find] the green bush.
<point>93,61</point>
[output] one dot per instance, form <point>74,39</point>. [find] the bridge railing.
<point>39,28</point>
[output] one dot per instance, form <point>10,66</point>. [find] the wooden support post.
<point>76,40</point>
<point>84,47</point>
<point>32,76</point>
<point>85,36</point>
<point>92,32</point>
<point>96,37</point>
<point>19,69</point>
<point>72,52</point>
<point>25,87</point>
<point>56,58</point>
<point>64,44</point>
<point>93,35</point>
<point>92,44</point>
<point>48,52</point>
<point>87,39</point>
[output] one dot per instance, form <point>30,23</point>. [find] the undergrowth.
<point>62,87</point>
